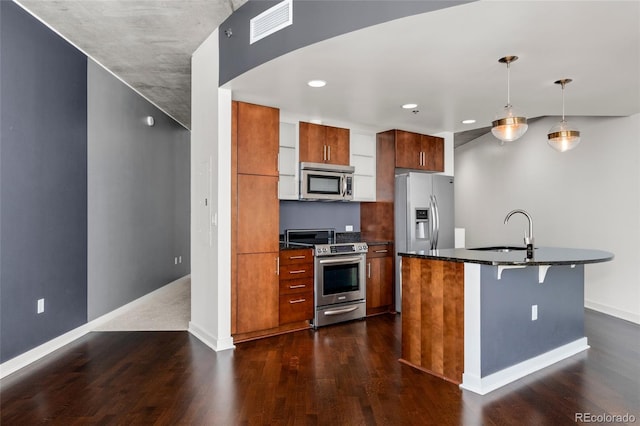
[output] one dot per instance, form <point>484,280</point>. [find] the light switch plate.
<point>348,228</point>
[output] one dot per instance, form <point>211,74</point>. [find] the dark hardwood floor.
<point>346,374</point>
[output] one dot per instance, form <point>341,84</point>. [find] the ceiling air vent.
<point>271,20</point>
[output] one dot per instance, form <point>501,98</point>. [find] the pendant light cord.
<point>508,84</point>
<point>563,101</point>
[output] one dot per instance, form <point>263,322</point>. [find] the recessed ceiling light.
<point>468,121</point>
<point>409,106</point>
<point>317,83</point>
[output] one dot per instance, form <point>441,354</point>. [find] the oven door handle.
<point>340,260</point>
<point>340,311</point>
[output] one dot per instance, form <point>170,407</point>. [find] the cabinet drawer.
<point>288,257</point>
<point>382,250</point>
<point>296,271</point>
<point>296,307</point>
<point>296,286</point>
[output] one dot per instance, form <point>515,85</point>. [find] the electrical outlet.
<point>534,312</point>
<point>179,259</point>
<point>348,228</point>
<point>175,260</point>
<point>40,308</point>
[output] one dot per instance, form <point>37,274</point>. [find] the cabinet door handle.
<point>300,271</point>
<point>278,265</point>
<point>329,153</point>
<point>420,159</point>
<point>324,153</point>
<point>381,251</point>
<point>297,301</point>
<point>369,270</point>
<point>297,257</point>
<point>297,286</point>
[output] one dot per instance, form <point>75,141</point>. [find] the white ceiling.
<point>447,62</point>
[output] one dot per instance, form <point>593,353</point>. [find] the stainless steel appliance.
<point>424,217</point>
<point>331,182</point>
<point>340,283</point>
<point>309,237</point>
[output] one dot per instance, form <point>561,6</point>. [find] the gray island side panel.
<point>508,335</point>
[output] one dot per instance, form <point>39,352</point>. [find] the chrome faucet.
<point>528,240</point>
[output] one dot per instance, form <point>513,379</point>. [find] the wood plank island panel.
<point>433,317</point>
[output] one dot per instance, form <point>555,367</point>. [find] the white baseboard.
<point>484,385</point>
<point>610,310</point>
<point>206,338</point>
<point>33,355</point>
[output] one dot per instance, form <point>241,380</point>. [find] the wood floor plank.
<point>347,374</point>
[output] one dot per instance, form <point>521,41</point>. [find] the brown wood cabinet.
<point>323,144</point>
<point>385,166</point>
<point>419,152</point>
<point>258,139</point>
<point>254,220</point>
<point>258,207</point>
<point>296,286</point>
<point>257,290</point>
<point>380,279</point>
<point>433,316</point>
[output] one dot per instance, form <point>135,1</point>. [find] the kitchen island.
<point>483,318</point>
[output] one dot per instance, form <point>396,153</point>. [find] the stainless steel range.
<point>340,282</point>
<point>339,275</point>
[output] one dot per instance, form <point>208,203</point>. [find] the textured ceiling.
<point>146,43</point>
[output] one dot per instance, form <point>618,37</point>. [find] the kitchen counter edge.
<point>542,256</point>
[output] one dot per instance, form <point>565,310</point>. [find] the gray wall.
<point>94,205</point>
<point>317,214</point>
<point>43,176</point>
<point>508,336</point>
<point>313,21</point>
<point>138,180</point>
<point>585,198</point>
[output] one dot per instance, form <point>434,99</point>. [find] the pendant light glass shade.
<point>509,125</point>
<point>563,136</point>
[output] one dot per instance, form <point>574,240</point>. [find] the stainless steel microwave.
<point>329,182</point>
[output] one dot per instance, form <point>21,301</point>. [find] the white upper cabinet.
<point>288,162</point>
<point>363,158</point>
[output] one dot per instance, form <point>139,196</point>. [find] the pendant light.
<point>509,125</point>
<point>563,137</point>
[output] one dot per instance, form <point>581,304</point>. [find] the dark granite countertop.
<point>541,256</point>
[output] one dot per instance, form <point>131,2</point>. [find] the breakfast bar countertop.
<point>541,256</point>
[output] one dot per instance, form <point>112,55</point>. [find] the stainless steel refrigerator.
<point>424,215</point>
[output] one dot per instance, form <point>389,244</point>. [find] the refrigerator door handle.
<point>432,224</point>
<point>437,215</point>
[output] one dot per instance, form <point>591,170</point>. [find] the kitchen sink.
<point>504,249</point>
